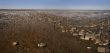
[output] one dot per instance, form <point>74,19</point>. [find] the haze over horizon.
<point>56,4</point>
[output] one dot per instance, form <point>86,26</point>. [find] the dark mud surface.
<point>33,28</point>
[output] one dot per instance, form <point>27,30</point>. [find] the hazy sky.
<point>56,4</point>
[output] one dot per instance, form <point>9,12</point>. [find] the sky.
<point>55,4</point>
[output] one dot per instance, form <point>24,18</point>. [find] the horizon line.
<point>45,9</point>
